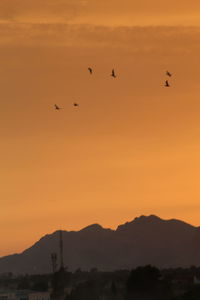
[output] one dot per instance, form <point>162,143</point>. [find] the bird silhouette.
<point>113,74</point>
<point>57,107</point>
<point>76,104</point>
<point>90,70</point>
<point>168,74</point>
<point>167,83</point>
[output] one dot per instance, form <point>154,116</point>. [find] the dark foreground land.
<point>142,283</point>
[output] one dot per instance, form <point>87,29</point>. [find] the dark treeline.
<point>142,283</point>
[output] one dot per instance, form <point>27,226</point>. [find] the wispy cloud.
<point>102,12</point>
<point>130,38</point>
<point>40,11</point>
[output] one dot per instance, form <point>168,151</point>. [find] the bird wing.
<point>113,73</point>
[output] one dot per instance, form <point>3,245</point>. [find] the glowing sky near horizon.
<point>131,148</point>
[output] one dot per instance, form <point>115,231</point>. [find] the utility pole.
<point>61,251</point>
<point>54,261</point>
<point>60,277</point>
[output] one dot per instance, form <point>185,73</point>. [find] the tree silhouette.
<point>144,283</point>
<point>143,278</point>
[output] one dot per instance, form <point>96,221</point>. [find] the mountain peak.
<point>92,228</point>
<point>150,218</point>
<point>141,220</point>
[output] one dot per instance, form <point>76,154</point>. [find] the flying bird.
<point>168,74</point>
<point>57,107</point>
<point>76,104</point>
<point>167,83</point>
<point>113,74</point>
<point>90,70</point>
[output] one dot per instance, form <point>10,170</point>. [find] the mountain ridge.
<point>144,240</point>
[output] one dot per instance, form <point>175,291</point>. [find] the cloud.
<point>46,10</point>
<point>144,12</point>
<point>96,12</point>
<point>132,39</point>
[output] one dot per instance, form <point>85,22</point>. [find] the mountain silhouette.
<point>145,240</point>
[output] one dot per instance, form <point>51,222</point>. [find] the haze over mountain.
<point>145,240</point>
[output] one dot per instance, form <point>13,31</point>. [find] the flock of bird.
<point>113,74</point>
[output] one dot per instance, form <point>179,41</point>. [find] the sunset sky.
<point>131,148</point>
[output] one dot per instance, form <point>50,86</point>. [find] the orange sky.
<point>133,146</point>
